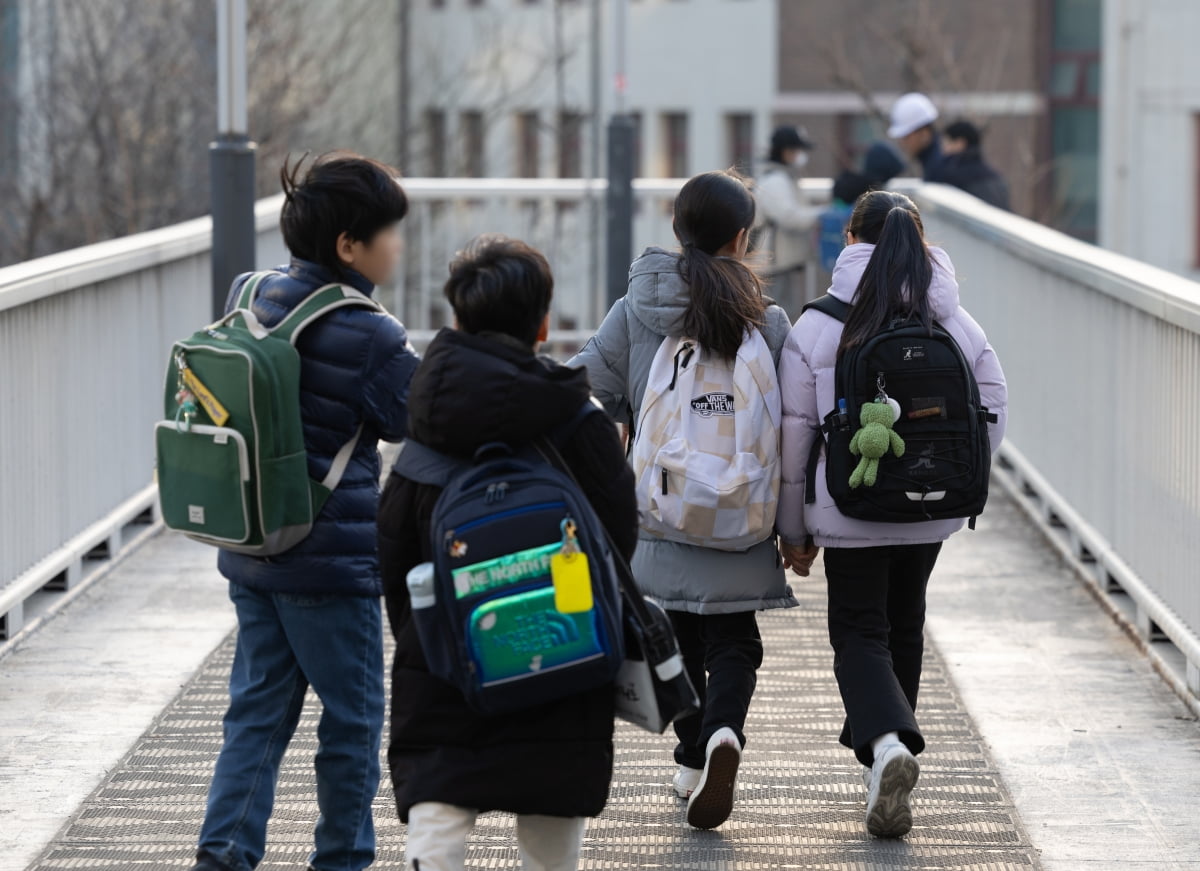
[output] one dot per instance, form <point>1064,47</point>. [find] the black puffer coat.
<point>555,760</point>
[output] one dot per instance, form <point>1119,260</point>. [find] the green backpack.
<point>232,467</point>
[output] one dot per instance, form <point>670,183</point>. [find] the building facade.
<point>505,87</point>
<point>1026,71</point>
<point>1150,142</point>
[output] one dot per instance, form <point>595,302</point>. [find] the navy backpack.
<point>495,614</point>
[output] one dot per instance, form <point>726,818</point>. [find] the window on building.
<point>675,144</point>
<point>528,145</point>
<point>570,145</point>
<point>471,133</point>
<point>1074,94</point>
<point>435,142</point>
<point>739,136</point>
<point>636,118</point>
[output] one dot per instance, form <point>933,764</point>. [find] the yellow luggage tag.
<point>207,400</point>
<point>571,575</point>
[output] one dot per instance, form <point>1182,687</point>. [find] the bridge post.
<point>619,203</point>
<point>621,164</point>
<point>231,158</point>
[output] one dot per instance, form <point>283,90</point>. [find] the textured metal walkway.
<point>800,801</point>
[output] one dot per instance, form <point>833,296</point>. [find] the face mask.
<point>800,160</point>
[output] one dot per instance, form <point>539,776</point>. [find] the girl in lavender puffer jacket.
<point>877,572</point>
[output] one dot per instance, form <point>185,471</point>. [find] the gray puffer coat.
<point>680,576</point>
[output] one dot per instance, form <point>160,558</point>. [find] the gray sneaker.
<point>892,778</point>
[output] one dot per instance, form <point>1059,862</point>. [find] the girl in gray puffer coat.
<point>708,294</point>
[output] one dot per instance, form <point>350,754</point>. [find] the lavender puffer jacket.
<point>806,378</point>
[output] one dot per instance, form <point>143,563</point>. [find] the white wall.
<point>702,57</point>
<point>1148,136</point>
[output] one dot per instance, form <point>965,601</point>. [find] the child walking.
<point>480,384</point>
<point>311,616</point>
<point>877,572</point>
<point>708,295</point>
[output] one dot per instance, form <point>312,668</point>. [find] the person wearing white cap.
<point>912,126</point>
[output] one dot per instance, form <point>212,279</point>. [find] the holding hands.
<point>799,559</point>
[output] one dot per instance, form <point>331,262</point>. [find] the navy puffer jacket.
<point>356,365</point>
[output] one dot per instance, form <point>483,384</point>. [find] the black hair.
<point>965,131</point>
<point>896,280</point>
<point>500,285</point>
<point>725,295</point>
<point>337,193</point>
<point>785,138</point>
<point>849,186</point>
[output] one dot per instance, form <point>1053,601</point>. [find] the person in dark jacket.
<point>880,165</point>
<point>311,616</point>
<point>964,167</point>
<point>912,126</point>
<point>481,383</point>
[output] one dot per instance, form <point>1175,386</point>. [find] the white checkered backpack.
<point>706,446</point>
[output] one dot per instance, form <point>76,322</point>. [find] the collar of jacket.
<point>317,275</point>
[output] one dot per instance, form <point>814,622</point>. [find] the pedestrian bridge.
<point>1063,686</point>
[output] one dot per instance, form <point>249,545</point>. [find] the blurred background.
<point>107,106</point>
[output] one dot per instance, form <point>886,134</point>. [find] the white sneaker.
<point>893,776</point>
<point>686,780</point>
<point>712,801</point>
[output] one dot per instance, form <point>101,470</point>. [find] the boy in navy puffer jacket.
<point>311,616</point>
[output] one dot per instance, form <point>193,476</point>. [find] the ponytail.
<point>726,300</point>
<point>725,295</point>
<point>897,278</point>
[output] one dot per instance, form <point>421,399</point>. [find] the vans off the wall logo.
<point>713,403</point>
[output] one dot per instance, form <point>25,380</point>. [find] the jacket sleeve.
<point>797,383</point>
<point>400,537</point>
<point>777,329</point>
<point>391,362</point>
<point>993,389</point>
<point>779,198</point>
<point>595,457</point>
<point>606,358</point>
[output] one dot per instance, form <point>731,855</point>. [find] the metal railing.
<point>84,336</point>
<point>83,339</point>
<point>1102,356</point>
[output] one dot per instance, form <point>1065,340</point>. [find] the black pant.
<point>722,653</point>
<point>877,629</point>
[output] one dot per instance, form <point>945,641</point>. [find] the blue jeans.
<point>286,643</point>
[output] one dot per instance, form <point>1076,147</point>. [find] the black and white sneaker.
<point>893,776</point>
<point>712,800</point>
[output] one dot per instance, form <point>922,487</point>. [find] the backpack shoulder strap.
<point>563,434</point>
<point>319,303</point>
<point>830,305</point>
<point>250,289</point>
<point>424,465</point>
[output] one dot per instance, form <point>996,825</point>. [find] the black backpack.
<point>946,465</point>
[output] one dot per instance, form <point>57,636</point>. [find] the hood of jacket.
<point>658,295</point>
<point>852,263</point>
<point>475,389</point>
